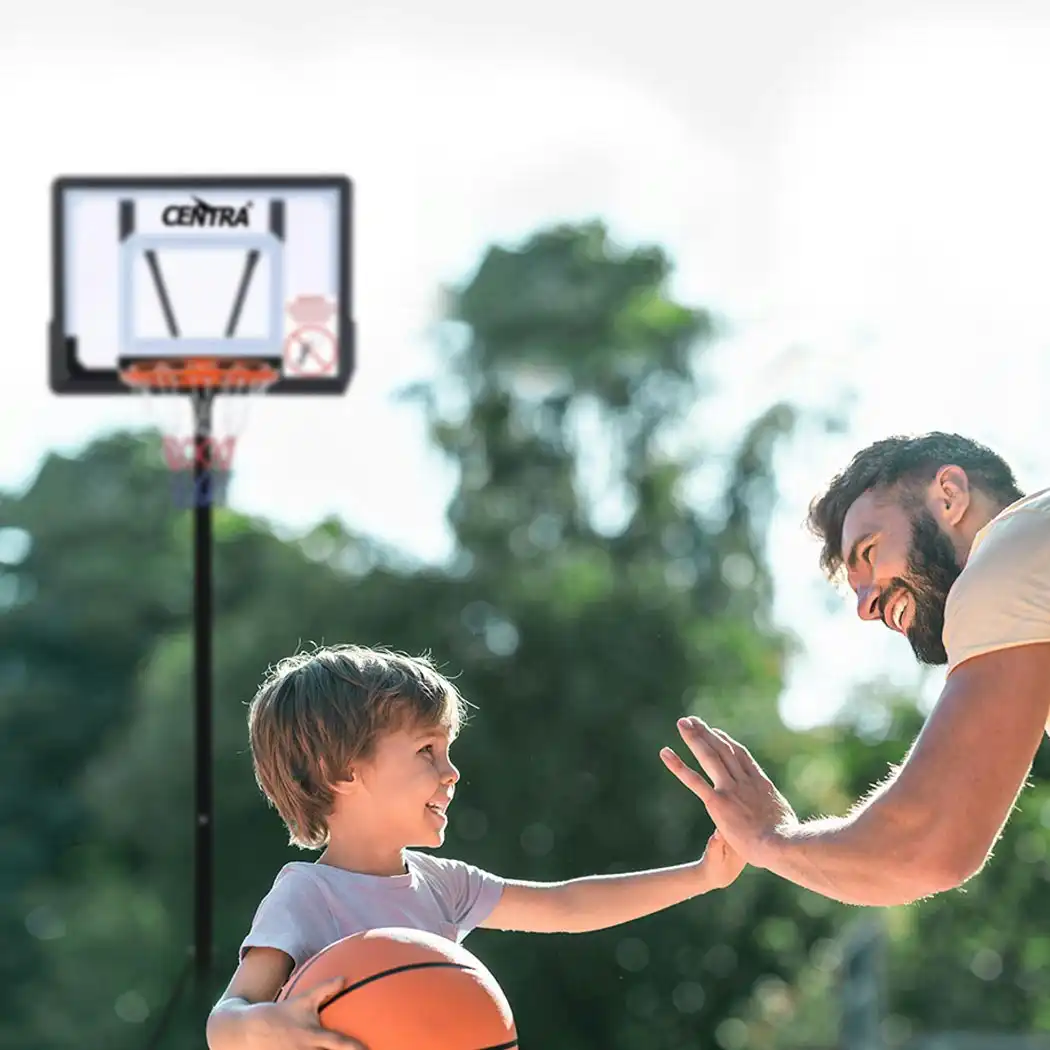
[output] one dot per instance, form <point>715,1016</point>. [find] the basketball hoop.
<point>201,291</point>
<point>199,446</point>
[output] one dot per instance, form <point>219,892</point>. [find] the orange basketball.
<point>409,990</point>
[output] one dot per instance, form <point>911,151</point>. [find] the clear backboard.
<point>250,269</point>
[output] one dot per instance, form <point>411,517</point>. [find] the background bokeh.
<point>631,285</point>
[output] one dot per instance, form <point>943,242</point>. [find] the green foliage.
<point>582,618</point>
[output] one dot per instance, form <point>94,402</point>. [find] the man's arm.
<point>930,827</point>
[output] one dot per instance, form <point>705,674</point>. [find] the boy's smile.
<point>438,810</point>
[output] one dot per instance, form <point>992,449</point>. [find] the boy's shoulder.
<point>429,865</point>
<point>426,862</point>
<point>297,874</point>
<point>295,871</point>
<point>456,877</point>
<point>295,877</point>
<point>290,880</point>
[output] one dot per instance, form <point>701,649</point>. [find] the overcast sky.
<point>859,187</point>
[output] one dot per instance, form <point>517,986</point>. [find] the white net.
<point>199,428</point>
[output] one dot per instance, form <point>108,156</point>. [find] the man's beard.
<point>932,569</point>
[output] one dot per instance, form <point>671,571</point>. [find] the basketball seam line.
<point>512,1045</point>
<point>387,973</point>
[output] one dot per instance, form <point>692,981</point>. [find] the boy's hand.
<point>294,1024</point>
<point>721,864</point>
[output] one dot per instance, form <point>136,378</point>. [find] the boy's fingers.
<point>326,1039</point>
<point>335,1041</point>
<point>320,995</point>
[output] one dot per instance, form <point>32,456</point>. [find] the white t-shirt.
<point>1002,597</point>
<point>311,906</point>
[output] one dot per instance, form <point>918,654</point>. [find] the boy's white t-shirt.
<point>311,906</point>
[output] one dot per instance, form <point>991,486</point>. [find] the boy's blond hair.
<point>318,712</point>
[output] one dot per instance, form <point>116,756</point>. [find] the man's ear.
<point>951,494</point>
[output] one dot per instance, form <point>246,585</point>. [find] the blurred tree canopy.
<point>589,604</point>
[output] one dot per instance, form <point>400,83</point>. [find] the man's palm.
<point>743,802</point>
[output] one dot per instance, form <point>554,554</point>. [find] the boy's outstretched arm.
<point>599,901</point>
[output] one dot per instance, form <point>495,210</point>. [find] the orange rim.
<point>200,373</point>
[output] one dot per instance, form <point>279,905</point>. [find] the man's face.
<point>901,566</point>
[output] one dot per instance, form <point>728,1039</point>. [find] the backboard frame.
<point>69,376</point>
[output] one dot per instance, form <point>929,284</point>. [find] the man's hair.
<point>318,712</point>
<point>898,467</point>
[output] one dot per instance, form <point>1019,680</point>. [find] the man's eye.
<point>429,748</point>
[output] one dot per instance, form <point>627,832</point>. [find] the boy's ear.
<point>343,783</point>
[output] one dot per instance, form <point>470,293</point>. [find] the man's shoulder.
<point>1019,535</point>
<point>1002,596</point>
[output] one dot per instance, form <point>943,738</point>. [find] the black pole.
<point>203,617</point>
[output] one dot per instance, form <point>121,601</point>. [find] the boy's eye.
<point>428,749</point>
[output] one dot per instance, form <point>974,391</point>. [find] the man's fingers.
<point>710,751</point>
<point>692,780</point>
<point>738,748</point>
<point>743,762</point>
<point>735,755</point>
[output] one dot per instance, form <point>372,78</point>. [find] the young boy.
<point>351,747</point>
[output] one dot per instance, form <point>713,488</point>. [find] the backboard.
<point>254,269</point>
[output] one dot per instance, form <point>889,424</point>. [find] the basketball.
<point>409,989</point>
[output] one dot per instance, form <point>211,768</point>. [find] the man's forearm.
<point>867,858</point>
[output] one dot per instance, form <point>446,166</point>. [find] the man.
<point>938,543</point>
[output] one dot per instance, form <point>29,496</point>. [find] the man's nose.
<point>868,603</point>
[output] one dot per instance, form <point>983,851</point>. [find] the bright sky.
<point>859,187</point>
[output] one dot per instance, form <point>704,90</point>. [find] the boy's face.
<point>407,784</point>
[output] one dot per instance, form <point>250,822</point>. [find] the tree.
<point>589,604</point>
<point>99,580</point>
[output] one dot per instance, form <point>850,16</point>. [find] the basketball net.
<point>201,410</point>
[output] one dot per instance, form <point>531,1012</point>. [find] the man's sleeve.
<point>1002,597</point>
